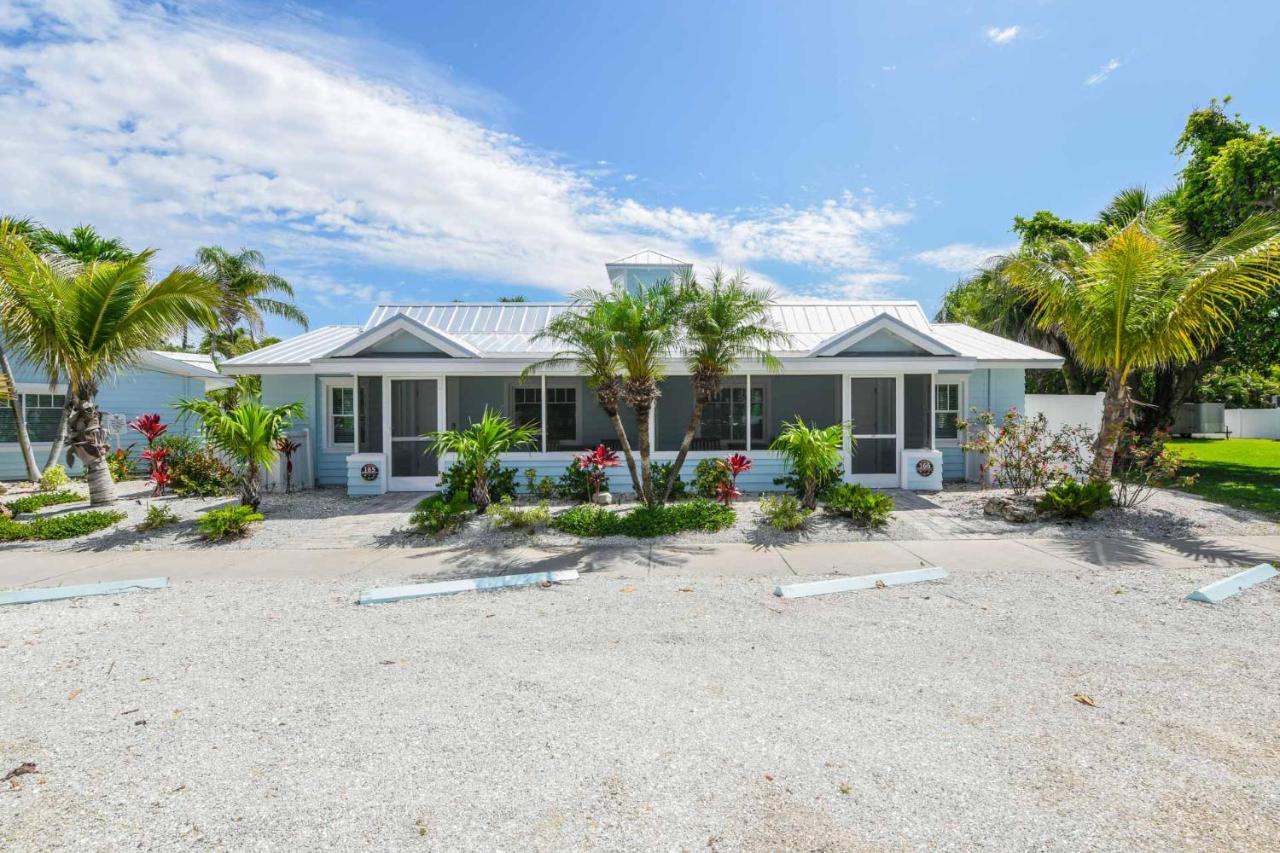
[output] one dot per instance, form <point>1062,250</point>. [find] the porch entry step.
<point>388,594</point>
<point>803,590</point>
<point>58,593</point>
<point>1227,587</point>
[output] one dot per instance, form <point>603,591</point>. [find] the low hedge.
<point>645,522</point>
<point>40,500</point>
<point>67,526</point>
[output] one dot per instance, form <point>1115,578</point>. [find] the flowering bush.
<point>595,463</point>
<point>727,490</point>
<point>1021,453</point>
<point>119,466</point>
<point>151,429</point>
<point>160,477</point>
<point>1144,465</point>
<point>287,447</point>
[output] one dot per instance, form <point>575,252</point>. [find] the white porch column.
<point>542,396</point>
<point>355,413</point>
<point>846,415</point>
<point>749,419</point>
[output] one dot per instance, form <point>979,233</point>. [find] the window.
<point>724,419</point>
<point>562,412</point>
<point>42,413</point>
<point>342,415</point>
<point>946,410</point>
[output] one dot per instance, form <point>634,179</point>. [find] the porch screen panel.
<point>413,413</point>
<point>597,428</point>
<point>874,410</point>
<point>816,399</point>
<point>370,414</point>
<point>917,403</point>
<point>469,396</point>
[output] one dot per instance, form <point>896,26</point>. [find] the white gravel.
<point>609,714</point>
<point>328,518</point>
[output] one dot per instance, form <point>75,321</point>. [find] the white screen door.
<point>414,413</point>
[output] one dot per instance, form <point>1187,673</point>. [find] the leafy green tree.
<point>1145,296</point>
<point>85,322</point>
<point>249,292</point>
<point>17,229</point>
<point>82,244</point>
<point>722,322</point>
<point>479,445</point>
<point>247,433</point>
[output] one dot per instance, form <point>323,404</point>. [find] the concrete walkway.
<point>643,560</point>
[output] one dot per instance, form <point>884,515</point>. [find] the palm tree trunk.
<point>644,411</point>
<point>1115,412</point>
<point>695,418</point>
<point>89,444</point>
<point>480,491</point>
<point>250,492</point>
<point>60,436</point>
<point>625,444</point>
<point>19,419</point>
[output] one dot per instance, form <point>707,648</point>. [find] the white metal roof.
<point>508,328</point>
<point>197,365</point>
<point>648,258</point>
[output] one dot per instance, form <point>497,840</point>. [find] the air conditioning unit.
<point>922,470</point>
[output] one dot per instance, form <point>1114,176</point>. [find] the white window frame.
<point>22,393</point>
<point>549,382</point>
<point>328,385</point>
<point>960,410</point>
<point>748,388</point>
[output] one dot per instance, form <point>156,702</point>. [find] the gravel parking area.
<point>328,518</point>
<point>613,714</point>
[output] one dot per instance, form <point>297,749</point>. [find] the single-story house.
<point>154,385</point>
<point>371,391</point>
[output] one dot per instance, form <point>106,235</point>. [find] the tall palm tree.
<point>1144,297</point>
<point>247,433</point>
<point>17,229</point>
<point>645,324</point>
<point>248,291</point>
<point>723,322</point>
<point>586,331</point>
<point>83,244</point>
<point>84,322</point>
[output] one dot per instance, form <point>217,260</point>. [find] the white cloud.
<point>173,130</point>
<point>1102,73</point>
<point>1003,35</point>
<point>961,258</point>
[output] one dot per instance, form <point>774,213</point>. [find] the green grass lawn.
<point>1243,472</point>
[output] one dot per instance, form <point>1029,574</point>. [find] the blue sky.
<point>431,151</point>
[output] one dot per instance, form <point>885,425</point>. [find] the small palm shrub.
<point>1073,499</point>
<point>458,480</point>
<point>867,507</point>
<point>784,512</point>
<point>438,513</point>
<point>247,433</point>
<point>40,500</point>
<point>230,522</point>
<point>810,452</point>
<point>709,476</point>
<point>67,526</point>
<point>54,477</point>
<point>508,516</point>
<point>478,447</point>
<point>158,516</point>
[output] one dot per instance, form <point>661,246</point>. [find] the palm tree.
<point>85,322</point>
<point>723,322</point>
<point>586,331</point>
<point>479,445</point>
<point>811,453</point>
<point>17,229</point>
<point>248,290</point>
<point>645,323</point>
<point>83,244</point>
<point>1144,297</point>
<point>247,433</point>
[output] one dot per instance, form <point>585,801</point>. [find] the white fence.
<point>1254,423</point>
<point>1062,410</point>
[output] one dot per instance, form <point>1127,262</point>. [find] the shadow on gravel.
<point>1142,553</point>
<point>466,561</point>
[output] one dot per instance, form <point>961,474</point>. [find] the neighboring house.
<point>154,385</point>
<point>372,391</point>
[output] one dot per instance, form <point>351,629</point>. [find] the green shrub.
<point>546,488</point>
<point>436,513</point>
<point>661,471</point>
<point>199,473</point>
<point>707,477</point>
<point>867,507</point>
<point>506,515</point>
<point>574,483</point>
<point>229,522</point>
<point>794,483</point>
<point>1072,499</point>
<point>54,477</point>
<point>67,526</point>
<point>158,516</point>
<point>645,522</point>
<point>531,480</point>
<point>40,500</point>
<point>119,465</point>
<point>178,445</point>
<point>458,480</point>
<point>784,512</point>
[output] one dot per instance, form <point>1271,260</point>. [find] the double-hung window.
<point>562,412</point>
<point>342,415</point>
<point>725,417</point>
<point>946,411</point>
<point>42,413</point>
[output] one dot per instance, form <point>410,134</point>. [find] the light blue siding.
<point>952,463</point>
<point>279,389</point>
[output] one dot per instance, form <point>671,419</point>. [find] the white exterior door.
<point>411,408</point>
<point>875,407</point>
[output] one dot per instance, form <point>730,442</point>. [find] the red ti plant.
<point>159,470</point>
<point>288,447</point>
<point>728,490</point>
<point>151,429</point>
<point>594,463</point>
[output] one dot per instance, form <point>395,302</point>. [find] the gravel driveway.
<point>607,714</point>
